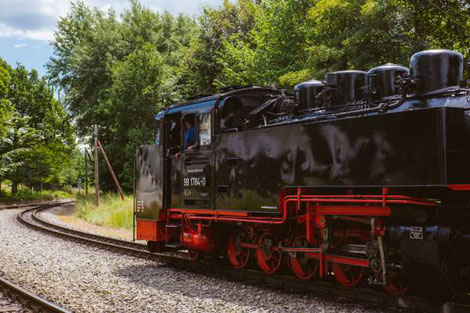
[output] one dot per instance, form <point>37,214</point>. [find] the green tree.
<point>39,137</point>
<point>136,91</point>
<point>230,23</point>
<point>14,149</point>
<point>5,105</point>
<point>441,24</point>
<point>75,169</point>
<point>119,73</point>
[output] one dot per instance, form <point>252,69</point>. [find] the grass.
<point>112,211</point>
<point>28,194</point>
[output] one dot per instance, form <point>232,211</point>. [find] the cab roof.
<point>201,103</point>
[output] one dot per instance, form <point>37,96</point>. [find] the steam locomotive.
<point>364,177</point>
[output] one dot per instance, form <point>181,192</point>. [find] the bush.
<point>29,194</point>
<point>112,211</point>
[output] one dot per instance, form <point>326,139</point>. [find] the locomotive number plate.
<point>416,233</point>
<point>198,181</point>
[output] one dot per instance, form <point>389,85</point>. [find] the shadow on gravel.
<point>206,286</point>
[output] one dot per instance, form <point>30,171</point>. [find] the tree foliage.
<point>118,72</point>
<point>36,133</point>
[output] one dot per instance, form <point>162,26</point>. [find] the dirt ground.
<point>65,215</point>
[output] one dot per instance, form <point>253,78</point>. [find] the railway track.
<point>17,299</point>
<point>31,218</point>
<point>22,206</point>
<point>14,298</point>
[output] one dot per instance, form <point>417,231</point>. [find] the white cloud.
<point>20,45</point>
<point>37,19</point>
<point>26,19</point>
<point>36,34</point>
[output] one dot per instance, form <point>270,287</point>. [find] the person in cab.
<point>189,133</point>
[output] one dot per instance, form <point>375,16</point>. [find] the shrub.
<point>112,211</point>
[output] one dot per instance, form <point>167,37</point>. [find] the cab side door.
<point>197,164</point>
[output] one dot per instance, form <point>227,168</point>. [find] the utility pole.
<point>86,172</point>
<point>111,171</point>
<point>97,186</point>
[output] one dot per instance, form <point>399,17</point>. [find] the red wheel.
<point>395,285</point>
<point>268,260</point>
<point>302,267</point>
<point>348,275</point>
<point>237,255</point>
<point>193,255</point>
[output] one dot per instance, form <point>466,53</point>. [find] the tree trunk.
<point>14,187</point>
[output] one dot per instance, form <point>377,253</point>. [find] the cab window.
<point>204,122</point>
<point>173,139</point>
<point>196,130</point>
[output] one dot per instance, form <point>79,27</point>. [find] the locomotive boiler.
<point>364,177</point>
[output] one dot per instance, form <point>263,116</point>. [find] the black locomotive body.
<point>364,177</point>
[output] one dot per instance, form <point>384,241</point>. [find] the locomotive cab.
<point>183,176</point>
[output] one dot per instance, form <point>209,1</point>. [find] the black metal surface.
<point>348,86</point>
<point>421,144</point>
<point>305,92</point>
<point>412,148</point>
<point>436,69</point>
<point>409,143</point>
<point>382,80</point>
<point>424,250</point>
<point>149,182</point>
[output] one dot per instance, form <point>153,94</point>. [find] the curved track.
<point>26,299</point>
<point>31,218</point>
<point>22,205</point>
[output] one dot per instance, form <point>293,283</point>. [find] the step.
<point>175,245</point>
<point>172,226</point>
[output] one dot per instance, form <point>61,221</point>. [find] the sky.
<point>27,26</point>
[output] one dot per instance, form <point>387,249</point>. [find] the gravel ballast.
<point>8,303</point>
<point>87,279</point>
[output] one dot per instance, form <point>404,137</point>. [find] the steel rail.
<point>23,205</point>
<point>32,299</point>
<point>37,218</point>
<point>216,267</point>
<point>116,245</point>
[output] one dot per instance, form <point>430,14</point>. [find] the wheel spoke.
<point>348,275</point>
<point>268,260</point>
<point>302,267</point>
<point>237,255</point>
